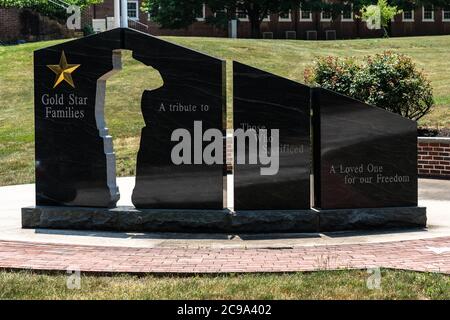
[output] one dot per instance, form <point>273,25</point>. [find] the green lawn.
<point>287,58</point>
<point>315,285</point>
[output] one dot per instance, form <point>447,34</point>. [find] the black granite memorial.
<point>192,99</point>
<point>75,163</point>
<point>364,156</point>
<point>265,101</point>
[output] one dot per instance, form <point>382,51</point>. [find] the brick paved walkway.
<point>420,255</point>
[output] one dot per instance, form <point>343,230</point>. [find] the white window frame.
<point>288,19</point>
<point>443,15</point>
<point>305,19</point>
<point>203,17</point>
<point>347,19</point>
<point>432,14</point>
<point>322,19</point>
<point>246,19</point>
<point>137,10</point>
<point>242,19</point>
<point>408,20</point>
<point>224,11</point>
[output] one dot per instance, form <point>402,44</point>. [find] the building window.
<point>220,13</point>
<point>285,16</point>
<point>325,16</point>
<point>242,16</point>
<point>446,15</point>
<point>347,13</point>
<point>305,15</point>
<point>202,15</point>
<point>133,10</point>
<point>428,13</point>
<point>408,16</point>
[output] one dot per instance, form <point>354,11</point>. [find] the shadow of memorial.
<point>363,158</point>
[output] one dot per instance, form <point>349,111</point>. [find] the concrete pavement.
<point>434,194</point>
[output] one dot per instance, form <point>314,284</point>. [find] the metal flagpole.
<point>124,11</point>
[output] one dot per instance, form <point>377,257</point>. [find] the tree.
<point>382,12</point>
<point>388,80</point>
<point>385,10</point>
<point>47,7</point>
<point>176,14</point>
<point>409,4</point>
<point>35,3</point>
<point>258,10</point>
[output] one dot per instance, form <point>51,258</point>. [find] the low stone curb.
<point>221,221</point>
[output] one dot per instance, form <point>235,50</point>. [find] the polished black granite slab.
<point>265,101</point>
<point>75,164</point>
<point>193,92</point>
<point>364,156</point>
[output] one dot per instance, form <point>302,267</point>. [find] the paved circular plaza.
<point>92,251</point>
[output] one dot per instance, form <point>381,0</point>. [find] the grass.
<point>287,58</point>
<point>315,285</point>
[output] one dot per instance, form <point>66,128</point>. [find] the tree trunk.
<point>255,27</point>
<point>389,29</point>
<point>358,27</point>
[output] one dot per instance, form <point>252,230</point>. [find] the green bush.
<point>88,30</point>
<point>389,80</point>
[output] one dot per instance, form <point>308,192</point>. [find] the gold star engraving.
<point>63,71</point>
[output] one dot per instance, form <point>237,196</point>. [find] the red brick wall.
<point>200,29</point>
<point>9,24</point>
<point>344,30</point>
<point>349,30</point>
<point>103,10</point>
<point>419,27</point>
<point>29,25</point>
<point>434,157</point>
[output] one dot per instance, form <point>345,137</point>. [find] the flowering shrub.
<point>333,73</point>
<point>389,80</point>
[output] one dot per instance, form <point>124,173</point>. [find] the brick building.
<point>295,24</point>
<point>24,24</point>
<point>9,23</point>
<point>299,24</point>
<point>434,157</point>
